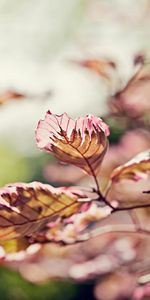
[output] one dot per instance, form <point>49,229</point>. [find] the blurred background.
<point>79,57</point>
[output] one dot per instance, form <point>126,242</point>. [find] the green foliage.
<point>15,168</point>
<point>12,167</point>
<point>13,287</point>
<point>117,129</point>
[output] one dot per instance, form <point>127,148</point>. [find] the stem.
<point>96,183</point>
<point>114,209</point>
<point>104,199</point>
<point>133,216</point>
<point>117,209</point>
<point>101,197</point>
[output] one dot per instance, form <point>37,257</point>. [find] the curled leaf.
<point>82,142</point>
<point>25,209</point>
<point>134,169</point>
<point>129,181</point>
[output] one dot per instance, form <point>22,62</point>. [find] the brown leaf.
<point>25,209</point>
<point>99,66</point>
<point>135,169</point>
<point>10,95</point>
<point>82,142</point>
<point>129,181</point>
<point>134,99</point>
<point>129,145</point>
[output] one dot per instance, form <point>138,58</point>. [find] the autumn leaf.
<point>9,96</point>
<point>134,99</point>
<point>135,169</point>
<point>25,209</point>
<point>99,66</point>
<point>130,181</point>
<point>82,142</point>
<point>129,145</point>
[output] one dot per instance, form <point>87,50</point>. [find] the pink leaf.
<point>82,142</point>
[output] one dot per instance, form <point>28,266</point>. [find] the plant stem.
<point>104,199</point>
<point>98,191</point>
<point>114,209</point>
